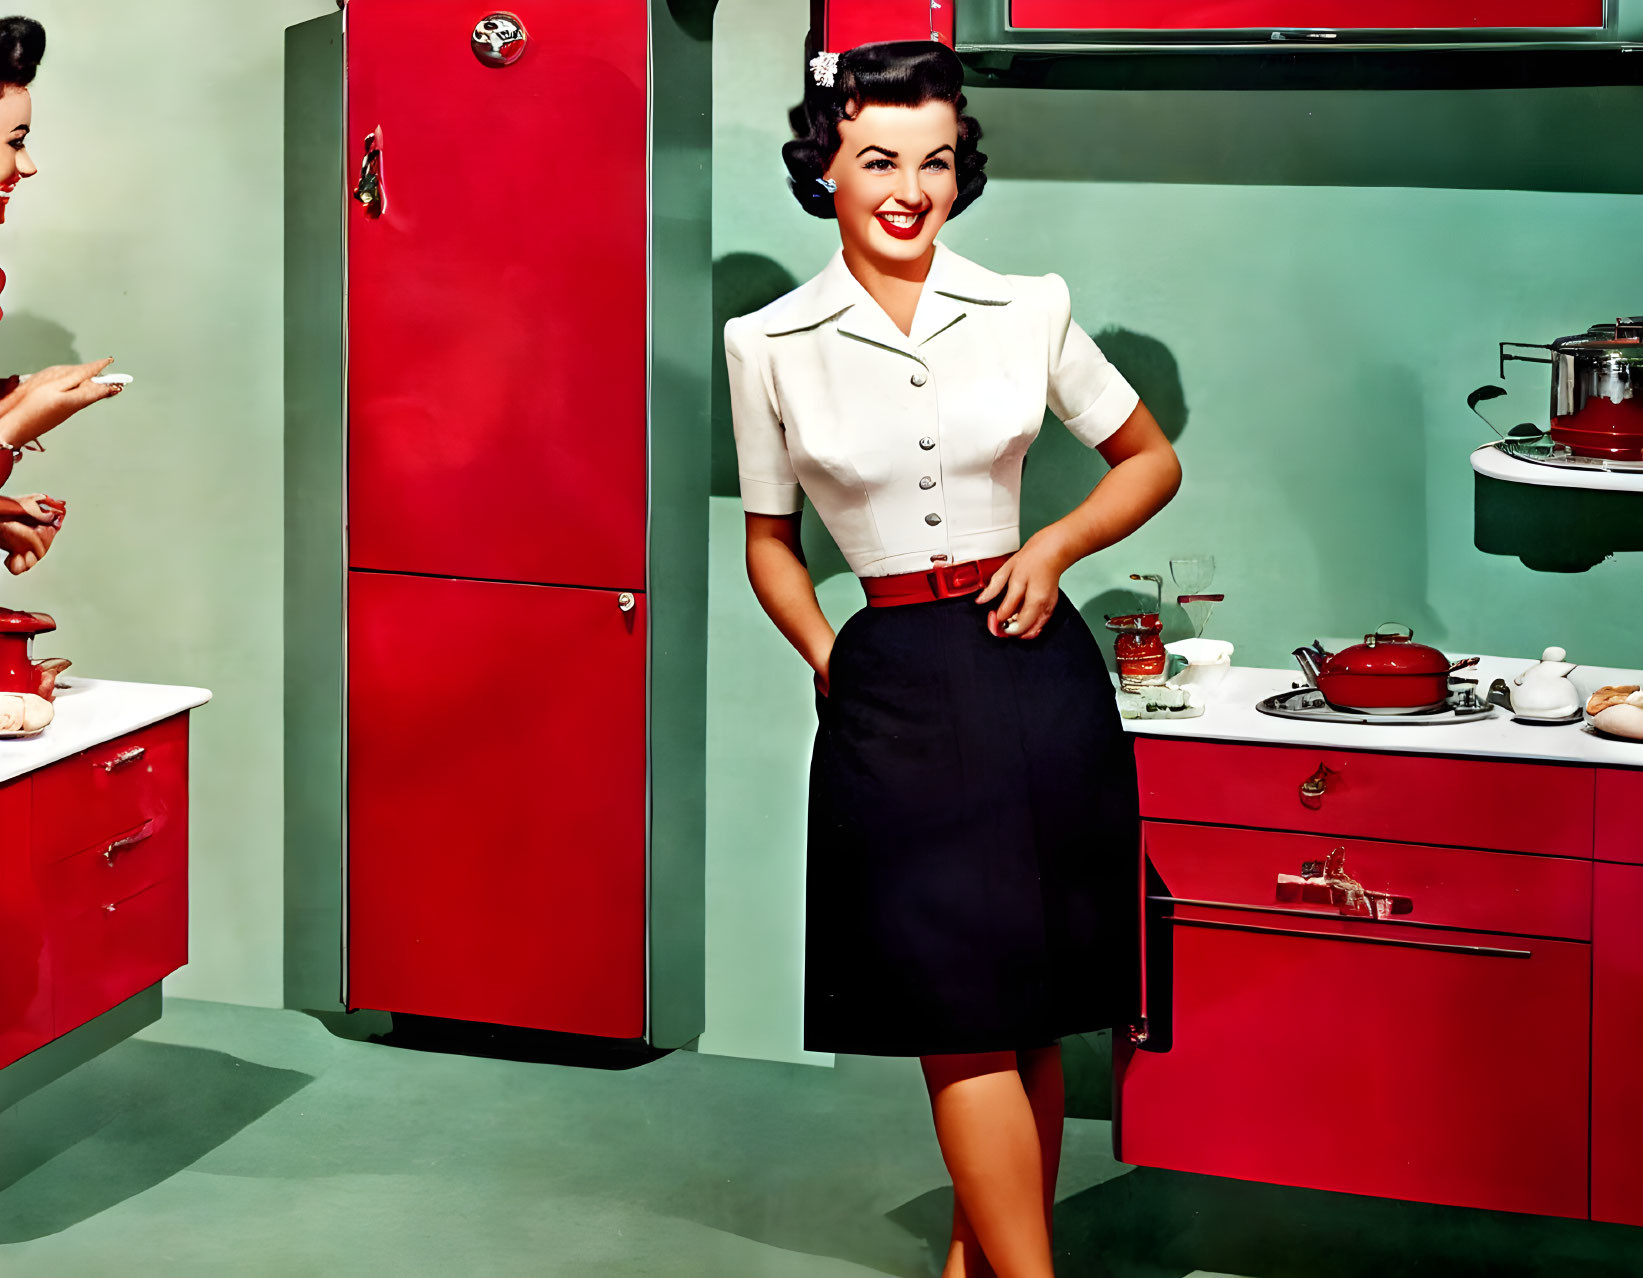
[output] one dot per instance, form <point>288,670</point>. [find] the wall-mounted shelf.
<point>1552,518</point>
<point>1490,461</point>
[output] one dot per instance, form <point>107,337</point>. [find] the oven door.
<point>1362,1056</point>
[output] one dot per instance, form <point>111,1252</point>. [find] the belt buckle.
<point>954,579</point>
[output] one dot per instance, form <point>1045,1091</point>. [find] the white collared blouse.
<point>910,446</point>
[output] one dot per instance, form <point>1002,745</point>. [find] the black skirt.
<point>972,881</point>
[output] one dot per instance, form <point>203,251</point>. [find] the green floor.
<point>236,1141</point>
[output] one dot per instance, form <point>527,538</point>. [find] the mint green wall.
<point>153,233</point>
<point>1310,344</point>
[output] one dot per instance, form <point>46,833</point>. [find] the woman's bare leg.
<point>989,1141</point>
<point>1042,1079</point>
<point>1040,1069</point>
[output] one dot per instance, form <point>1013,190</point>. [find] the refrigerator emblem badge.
<point>499,39</point>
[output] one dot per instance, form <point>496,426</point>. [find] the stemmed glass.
<point>1192,575</point>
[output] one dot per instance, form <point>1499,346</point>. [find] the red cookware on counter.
<point>1385,674</point>
<point>19,672</point>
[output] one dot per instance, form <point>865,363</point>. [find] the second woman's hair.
<point>22,45</point>
<point>889,73</point>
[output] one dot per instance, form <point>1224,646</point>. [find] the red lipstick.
<point>902,232</point>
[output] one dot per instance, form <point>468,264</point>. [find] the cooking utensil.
<point>1138,649</point>
<point>18,671</point>
<point>1385,674</point>
<point>1597,376</point>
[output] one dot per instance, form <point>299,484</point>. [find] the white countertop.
<point>1490,461</point>
<point>91,711</point>
<point>1230,715</point>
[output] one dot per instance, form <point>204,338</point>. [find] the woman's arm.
<point>1145,474</point>
<point>781,581</point>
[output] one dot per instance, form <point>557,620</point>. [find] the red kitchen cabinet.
<point>93,882</point>
<point>497,473</point>
<point>25,972</point>
<point>1460,1050</point>
<point>1617,1045</point>
<point>1619,817</point>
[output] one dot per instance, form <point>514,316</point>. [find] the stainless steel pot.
<point>1597,388</point>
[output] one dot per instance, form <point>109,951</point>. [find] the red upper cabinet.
<point>497,303</point>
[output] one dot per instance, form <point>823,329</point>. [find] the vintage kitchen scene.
<point>419,850</point>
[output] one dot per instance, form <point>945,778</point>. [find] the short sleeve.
<point>1086,392</point>
<point>769,486</point>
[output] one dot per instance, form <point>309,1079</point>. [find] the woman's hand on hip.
<point>49,398</point>
<point>1026,585</point>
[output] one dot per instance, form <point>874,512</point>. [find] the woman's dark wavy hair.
<point>889,73</point>
<point>22,45</point>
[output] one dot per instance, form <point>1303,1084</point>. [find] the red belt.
<point>943,582</point>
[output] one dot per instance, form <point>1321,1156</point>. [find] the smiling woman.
<point>973,837</point>
<point>38,402</point>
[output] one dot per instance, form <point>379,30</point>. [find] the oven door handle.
<point>1483,951</point>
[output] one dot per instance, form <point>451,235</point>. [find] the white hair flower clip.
<point>824,67</point>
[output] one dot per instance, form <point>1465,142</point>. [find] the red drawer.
<point>25,988</point>
<point>115,869</point>
<point>1521,807</point>
<point>1619,835</point>
<point>91,797</point>
<point>1367,1058</point>
<point>1447,887</point>
<point>104,955</point>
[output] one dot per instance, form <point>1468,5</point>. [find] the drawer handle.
<point>1485,951</point>
<point>1315,786</point>
<point>127,842</point>
<point>124,757</point>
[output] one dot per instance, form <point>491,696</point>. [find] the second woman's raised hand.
<point>28,525</point>
<point>49,398</point>
<point>1026,585</point>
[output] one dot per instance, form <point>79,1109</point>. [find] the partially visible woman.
<point>33,404</point>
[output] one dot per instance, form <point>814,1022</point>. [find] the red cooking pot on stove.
<point>1385,674</point>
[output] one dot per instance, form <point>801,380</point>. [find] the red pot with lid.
<point>1597,388</point>
<point>1388,673</point>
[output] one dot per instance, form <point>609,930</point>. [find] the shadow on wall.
<point>34,342</point>
<point>1484,139</point>
<point>120,1125</point>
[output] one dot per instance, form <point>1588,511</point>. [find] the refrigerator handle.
<point>369,190</point>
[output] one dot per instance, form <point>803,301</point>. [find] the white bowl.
<point>1208,661</point>
<point>1621,720</point>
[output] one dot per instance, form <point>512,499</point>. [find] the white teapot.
<point>1544,690</point>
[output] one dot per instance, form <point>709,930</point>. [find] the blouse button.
<point>927,443</point>
<point>927,482</point>
<point>920,377</point>
<point>932,519</point>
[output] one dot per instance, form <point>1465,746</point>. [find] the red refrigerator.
<point>498,344</point>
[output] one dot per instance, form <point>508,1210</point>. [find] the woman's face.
<point>897,176</point>
<point>16,110</point>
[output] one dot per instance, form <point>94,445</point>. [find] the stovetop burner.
<point>1308,703</point>
<point>1543,452</point>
